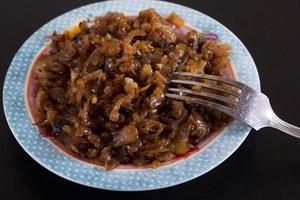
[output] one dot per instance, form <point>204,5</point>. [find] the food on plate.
<point>99,89</point>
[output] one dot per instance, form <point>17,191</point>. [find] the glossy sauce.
<point>30,99</point>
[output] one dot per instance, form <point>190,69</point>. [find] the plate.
<point>42,151</point>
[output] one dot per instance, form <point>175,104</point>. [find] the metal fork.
<point>248,105</point>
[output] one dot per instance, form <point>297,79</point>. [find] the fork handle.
<point>279,124</point>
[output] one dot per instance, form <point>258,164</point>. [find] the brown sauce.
<point>33,86</point>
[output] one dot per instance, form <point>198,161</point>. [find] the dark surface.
<point>266,166</point>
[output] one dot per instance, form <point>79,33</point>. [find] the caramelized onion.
<point>101,88</point>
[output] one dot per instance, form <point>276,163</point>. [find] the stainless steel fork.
<point>248,105</point>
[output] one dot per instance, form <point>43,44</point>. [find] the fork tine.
<point>203,102</point>
<point>205,94</point>
<point>214,87</point>
<point>213,78</point>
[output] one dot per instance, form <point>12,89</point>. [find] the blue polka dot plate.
<point>124,179</point>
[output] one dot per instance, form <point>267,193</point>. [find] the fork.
<point>248,105</point>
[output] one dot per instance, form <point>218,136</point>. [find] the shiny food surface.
<point>98,89</point>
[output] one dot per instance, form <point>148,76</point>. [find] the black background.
<point>266,166</point>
